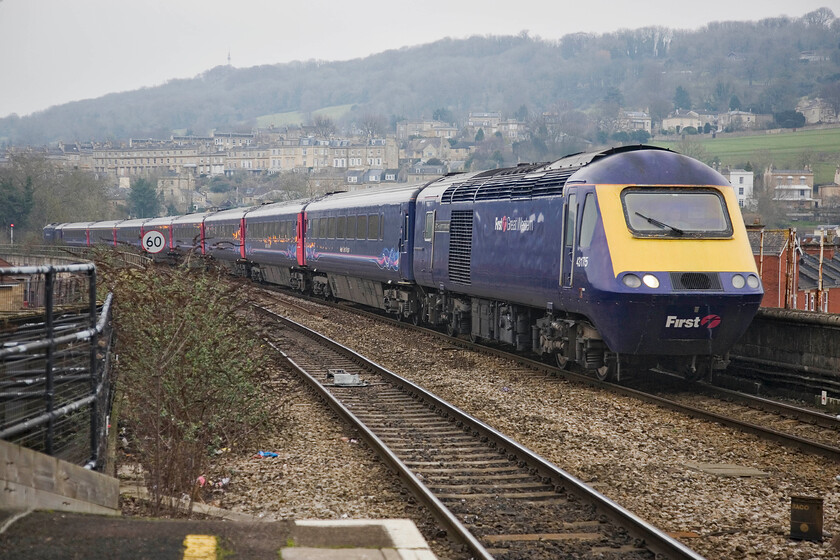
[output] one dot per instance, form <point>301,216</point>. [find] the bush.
<point>191,371</point>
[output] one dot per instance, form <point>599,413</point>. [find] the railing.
<point>55,386</point>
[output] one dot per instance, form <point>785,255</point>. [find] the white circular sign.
<point>154,242</point>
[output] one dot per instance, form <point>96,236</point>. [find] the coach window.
<point>587,221</point>
<point>362,227</point>
<point>351,227</point>
<point>429,227</point>
<point>373,226</point>
<point>341,228</point>
<point>331,227</point>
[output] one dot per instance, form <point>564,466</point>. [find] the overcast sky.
<point>56,51</point>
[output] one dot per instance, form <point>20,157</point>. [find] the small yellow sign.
<point>200,547</point>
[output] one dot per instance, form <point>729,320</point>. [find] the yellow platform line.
<point>200,547</point>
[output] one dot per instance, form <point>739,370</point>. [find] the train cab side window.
<point>429,226</point>
<point>362,227</point>
<point>571,221</point>
<point>587,221</point>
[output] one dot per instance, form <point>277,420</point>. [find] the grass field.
<point>784,150</point>
<point>298,118</point>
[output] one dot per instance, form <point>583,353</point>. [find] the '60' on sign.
<point>154,242</point>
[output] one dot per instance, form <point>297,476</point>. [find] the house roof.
<point>774,242</point>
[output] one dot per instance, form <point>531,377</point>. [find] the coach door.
<point>300,232</point>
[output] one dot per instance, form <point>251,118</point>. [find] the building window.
<point>741,180</point>
<point>741,191</point>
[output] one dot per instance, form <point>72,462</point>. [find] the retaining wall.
<point>801,338</point>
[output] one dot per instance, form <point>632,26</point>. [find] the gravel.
<point>639,455</point>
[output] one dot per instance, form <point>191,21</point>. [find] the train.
<point>617,260</point>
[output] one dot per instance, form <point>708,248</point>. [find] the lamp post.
<point>12,233</point>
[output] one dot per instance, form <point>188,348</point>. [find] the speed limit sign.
<point>154,242</point>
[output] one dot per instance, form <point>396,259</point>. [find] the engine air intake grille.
<point>507,184</point>
<point>695,281</point>
<point>460,246</point>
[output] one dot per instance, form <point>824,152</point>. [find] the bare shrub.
<point>191,372</point>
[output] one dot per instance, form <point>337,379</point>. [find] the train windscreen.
<point>677,212</point>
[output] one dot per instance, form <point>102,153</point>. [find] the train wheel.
<point>474,338</point>
<point>451,330</point>
<point>610,371</point>
<point>700,368</point>
<point>415,319</point>
<point>561,359</point>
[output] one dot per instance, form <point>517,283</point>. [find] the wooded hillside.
<point>763,66</point>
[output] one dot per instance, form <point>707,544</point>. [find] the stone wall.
<point>801,338</point>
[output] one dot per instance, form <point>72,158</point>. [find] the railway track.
<point>490,493</point>
<point>771,420</point>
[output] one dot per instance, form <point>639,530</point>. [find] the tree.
<point>734,103</point>
<point>443,115</point>
<point>143,199</point>
<point>479,136</point>
<point>830,93</point>
<point>324,126</point>
<point>372,126</point>
<point>789,119</point>
<point>16,202</point>
<point>681,99</point>
<point>38,193</point>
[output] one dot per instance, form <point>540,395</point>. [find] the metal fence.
<point>55,386</point>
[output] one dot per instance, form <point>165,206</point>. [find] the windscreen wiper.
<point>661,225</point>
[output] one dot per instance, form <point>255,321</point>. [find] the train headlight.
<point>752,281</point>
<point>650,281</point>
<point>738,281</point>
<point>631,281</point>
